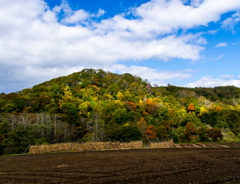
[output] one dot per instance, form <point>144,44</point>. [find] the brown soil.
<point>173,165</point>
<point>210,145</point>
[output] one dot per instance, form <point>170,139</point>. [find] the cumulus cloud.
<point>32,75</point>
<point>196,3</point>
<point>36,43</point>
<point>75,17</point>
<point>221,45</point>
<point>161,17</point>
<point>26,77</point>
<point>208,81</point>
<point>153,75</point>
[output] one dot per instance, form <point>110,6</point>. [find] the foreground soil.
<point>173,165</point>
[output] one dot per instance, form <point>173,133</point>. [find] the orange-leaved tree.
<point>190,132</point>
<point>131,106</point>
<point>150,132</point>
<point>218,109</point>
<point>151,108</point>
<point>191,108</point>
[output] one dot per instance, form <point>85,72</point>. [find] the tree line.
<point>94,105</point>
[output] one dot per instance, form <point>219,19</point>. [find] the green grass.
<point>14,155</point>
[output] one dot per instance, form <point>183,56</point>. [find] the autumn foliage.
<point>62,110</point>
<point>150,132</point>
<point>131,106</point>
<point>191,107</point>
<point>190,132</point>
<point>218,109</point>
<point>151,107</point>
<point>215,134</point>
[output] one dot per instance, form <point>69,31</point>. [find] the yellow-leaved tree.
<point>203,111</point>
<point>67,97</point>
<point>119,96</point>
<point>83,109</point>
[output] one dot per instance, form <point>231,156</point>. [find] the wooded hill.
<point>101,106</point>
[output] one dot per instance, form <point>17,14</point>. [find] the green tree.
<point>233,121</point>
<point>72,111</point>
<point>120,116</point>
<point>17,141</point>
<point>127,133</point>
<point>161,132</point>
<point>179,134</point>
<point>3,134</point>
<point>203,133</point>
<point>20,103</point>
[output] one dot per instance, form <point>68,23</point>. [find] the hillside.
<point>97,105</point>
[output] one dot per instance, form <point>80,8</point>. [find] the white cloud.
<point>76,17</point>
<point>212,31</point>
<point>162,17</point>
<point>208,81</point>
<point>100,13</point>
<point>185,1</point>
<point>221,45</point>
<point>236,43</point>
<point>49,16</point>
<point>231,22</point>
<point>26,77</point>
<point>217,58</point>
<point>201,41</point>
<point>196,3</point>
<point>227,76</point>
<point>35,40</point>
<point>31,75</point>
<point>153,75</point>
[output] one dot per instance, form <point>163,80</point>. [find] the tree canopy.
<point>94,105</point>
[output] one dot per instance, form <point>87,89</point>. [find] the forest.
<point>94,105</point>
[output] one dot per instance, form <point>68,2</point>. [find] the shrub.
<point>215,134</point>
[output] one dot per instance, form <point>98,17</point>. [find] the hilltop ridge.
<point>97,105</point>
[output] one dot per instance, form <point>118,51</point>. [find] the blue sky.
<point>192,43</point>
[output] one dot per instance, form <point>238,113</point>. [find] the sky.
<point>191,43</point>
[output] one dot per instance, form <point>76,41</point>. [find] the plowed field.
<point>173,165</point>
